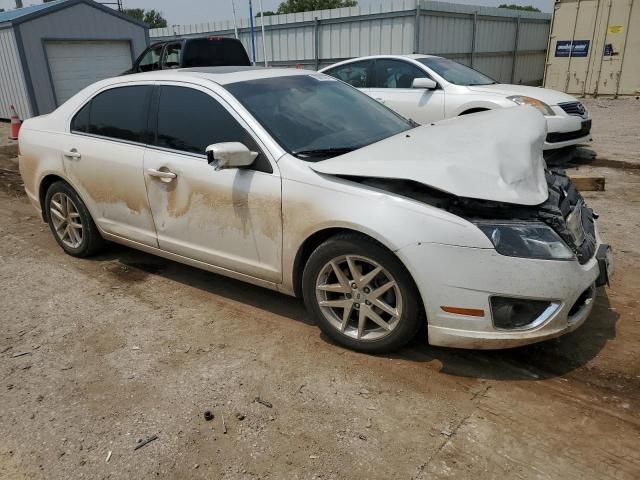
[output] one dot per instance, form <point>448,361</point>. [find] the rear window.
<point>214,52</point>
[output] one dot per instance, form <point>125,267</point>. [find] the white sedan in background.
<point>297,182</point>
<point>426,88</point>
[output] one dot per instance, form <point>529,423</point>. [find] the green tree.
<point>153,18</point>
<point>295,6</point>
<point>268,13</point>
<point>512,6</point>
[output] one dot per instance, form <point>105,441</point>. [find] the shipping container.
<point>594,48</point>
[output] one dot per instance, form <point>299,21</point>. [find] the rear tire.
<point>70,221</point>
<point>361,295</point>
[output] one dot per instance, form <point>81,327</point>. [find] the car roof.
<point>412,56</point>
<point>191,39</point>
<point>220,75</point>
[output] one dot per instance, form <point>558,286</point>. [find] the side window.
<point>355,74</point>
<point>121,113</point>
<point>396,74</point>
<point>171,55</point>
<point>190,120</point>
<point>80,122</point>
<point>151,60</point>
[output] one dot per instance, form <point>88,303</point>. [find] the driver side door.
<point>393,79</point>
<point>229,218</point>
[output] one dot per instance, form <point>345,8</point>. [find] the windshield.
<point>456,73</point>
<point>316,116</point>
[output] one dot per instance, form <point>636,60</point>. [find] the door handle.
<point>72,153</point>
<point>152,172</point>
<point>381,100</point>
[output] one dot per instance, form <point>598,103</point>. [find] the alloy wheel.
<point>359,297</point>
<point>66,220</point>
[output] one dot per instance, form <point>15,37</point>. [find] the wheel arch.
<point>49,179</point>
<point>320,236</point>
<point>474,110</point>
<point>43,187</point>
<point>316,239</point>
<point>476,105</point>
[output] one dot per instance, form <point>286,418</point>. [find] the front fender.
<point>475,104</point>
<point>333,203</point>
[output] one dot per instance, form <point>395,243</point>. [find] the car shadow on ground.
<point>543,360</point>
<point>133,266</point>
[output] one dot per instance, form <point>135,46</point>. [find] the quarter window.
<point>355,74</point>
<point>80,123</point>
<point>396,74</point>
<point>190,120</point>
<point>120,113</point>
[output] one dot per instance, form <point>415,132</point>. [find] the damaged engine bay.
<point>564,210</point>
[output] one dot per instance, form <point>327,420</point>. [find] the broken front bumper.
<point>470,277</point>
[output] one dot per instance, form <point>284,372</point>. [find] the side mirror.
<point>230,155</point>
<point>425,83</point>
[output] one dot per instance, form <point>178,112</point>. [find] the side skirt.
<point>195,263</point>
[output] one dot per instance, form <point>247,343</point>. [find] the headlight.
<point>534,102</point>
<point>526,239</point>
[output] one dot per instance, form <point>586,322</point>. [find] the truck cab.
<point>211,51</point>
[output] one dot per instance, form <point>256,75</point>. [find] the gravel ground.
<point>616,128</point>
<point>98,354</point>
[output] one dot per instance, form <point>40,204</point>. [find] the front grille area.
<point>563,200</point>
<point>556,137</point>
<point>573,108</point>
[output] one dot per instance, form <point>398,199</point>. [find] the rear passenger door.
<point>393,87</point>
<point>103,159</point>
<point>229,218</point>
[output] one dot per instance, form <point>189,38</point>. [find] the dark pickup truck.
<point>191,52</point>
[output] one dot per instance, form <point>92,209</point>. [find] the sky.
<point>199,11</point>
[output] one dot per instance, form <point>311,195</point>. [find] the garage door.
<point>76,64</point>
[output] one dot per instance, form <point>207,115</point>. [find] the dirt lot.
<point>98,354</point>
<point>616,128</point>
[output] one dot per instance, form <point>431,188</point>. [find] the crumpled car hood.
<point>493,155</point>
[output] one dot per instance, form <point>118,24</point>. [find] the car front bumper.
<point>566,130</point>
<point>464,277</point>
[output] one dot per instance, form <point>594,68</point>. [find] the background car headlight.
<point>534,102</point>
<point>527,240</point>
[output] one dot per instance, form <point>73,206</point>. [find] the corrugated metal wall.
<point>480,36</point>
<point>13,90</point>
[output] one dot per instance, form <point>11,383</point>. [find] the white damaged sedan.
<point>297,182</point>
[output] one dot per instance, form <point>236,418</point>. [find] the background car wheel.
<point>70,221</point>
<point>361,295</point>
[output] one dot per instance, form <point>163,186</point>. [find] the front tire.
<point>361,295</point>
<point>70,221</point>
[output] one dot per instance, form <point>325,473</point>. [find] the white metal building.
<point>48,52</point>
